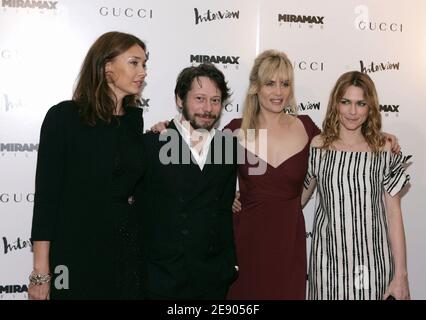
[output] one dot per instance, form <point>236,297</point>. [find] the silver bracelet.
<point>38,279</point>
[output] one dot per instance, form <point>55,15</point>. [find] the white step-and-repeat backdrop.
<point>42,45</point>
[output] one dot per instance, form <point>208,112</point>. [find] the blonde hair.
<point>370,128</point>
<point>268,64</point>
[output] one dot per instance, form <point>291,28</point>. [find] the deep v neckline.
<point>288,158</point>
<point>282,162</point>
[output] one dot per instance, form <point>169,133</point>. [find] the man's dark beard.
<point>194,125</point>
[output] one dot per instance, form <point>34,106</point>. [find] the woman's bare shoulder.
<point>317,141</point>
<point>387,146</point>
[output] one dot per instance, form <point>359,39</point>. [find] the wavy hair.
<point>267,65</point>
<point>371,128</point>
<point>209,70</point>
<point>92,93</point>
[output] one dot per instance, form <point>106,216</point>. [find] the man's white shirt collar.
<point>184,129</point>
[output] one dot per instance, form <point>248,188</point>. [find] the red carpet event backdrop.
<point>43,43</point>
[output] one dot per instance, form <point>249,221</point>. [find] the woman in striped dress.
<point>358,246</point>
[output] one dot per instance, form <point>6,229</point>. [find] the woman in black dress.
<point>83,233</point>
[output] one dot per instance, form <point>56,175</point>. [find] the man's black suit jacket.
<point>186,230</point>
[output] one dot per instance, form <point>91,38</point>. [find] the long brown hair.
<point>94,97</point>
<point>267,64</point>
<point>371,127</point>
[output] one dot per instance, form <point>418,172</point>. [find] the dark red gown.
<point>270,230</point>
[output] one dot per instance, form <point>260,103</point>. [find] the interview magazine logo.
<point>215,15</point>
<point>9,103</point>
<point>373,66</point>
<point>309,106</point>
<point>15,245</point>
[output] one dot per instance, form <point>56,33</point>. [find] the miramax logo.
<point>18,147</point>
<point>389,109</point>
<point>299,21</point>
<point>224,61</point>
<point>30,4</point>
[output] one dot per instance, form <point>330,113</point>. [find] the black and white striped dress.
<point>350,255</point>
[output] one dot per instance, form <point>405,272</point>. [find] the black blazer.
<point>186,218</point>
<point>85,175</point>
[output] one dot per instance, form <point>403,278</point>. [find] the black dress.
<point>85,177</point>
